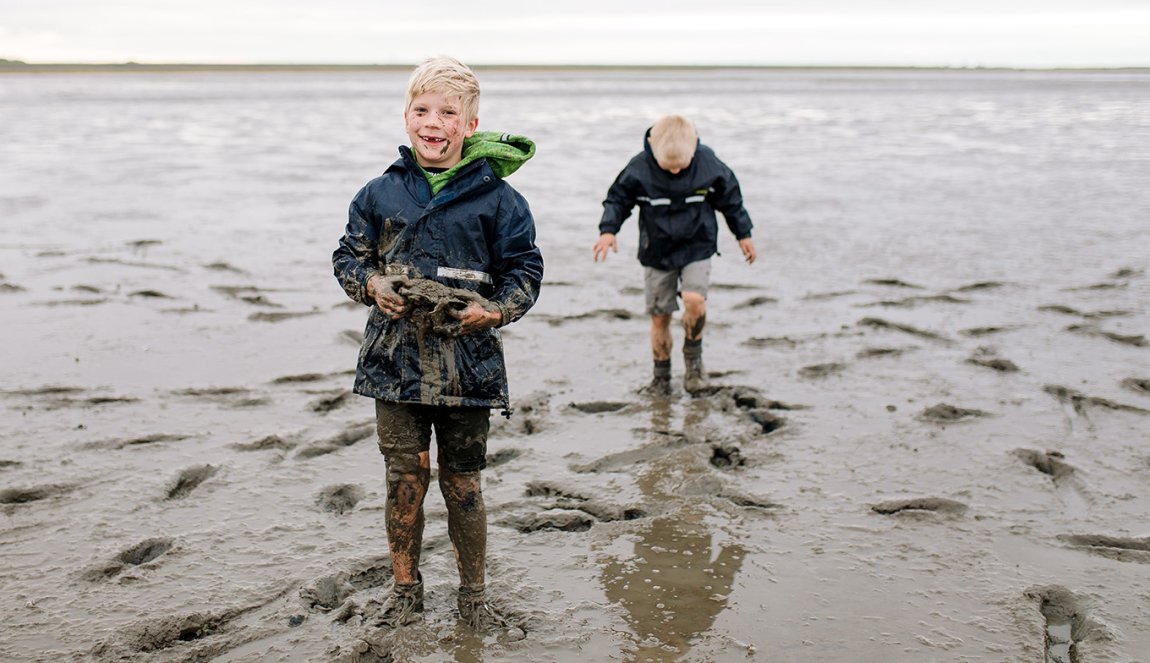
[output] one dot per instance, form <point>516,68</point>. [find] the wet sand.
<point>905,457</point>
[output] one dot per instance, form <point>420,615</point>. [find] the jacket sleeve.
<point>728,199</point>
<point>621,199</point>
<point>357,257</point>
<point>517,262</point>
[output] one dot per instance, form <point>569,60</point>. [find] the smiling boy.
<point>439,222</point>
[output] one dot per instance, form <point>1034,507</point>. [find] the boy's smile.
<point>436,127</point>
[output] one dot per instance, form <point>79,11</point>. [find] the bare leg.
<point>661,341</point>
<point>466,523</point>
<point>407,480</point>
<point>694,316</point>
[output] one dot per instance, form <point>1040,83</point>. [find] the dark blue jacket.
<point>677,222</point>
<point>477,233</point>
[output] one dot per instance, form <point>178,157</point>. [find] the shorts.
<point>662,287</point>
<point>460,432</point>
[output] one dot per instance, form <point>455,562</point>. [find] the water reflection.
<point>678,578</point>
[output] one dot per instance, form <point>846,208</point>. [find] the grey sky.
<point>1026,33</point>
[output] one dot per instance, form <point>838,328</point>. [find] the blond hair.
<point>673,140</point>
<point>449,77</point>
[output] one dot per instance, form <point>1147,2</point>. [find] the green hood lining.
<point>505,153</point>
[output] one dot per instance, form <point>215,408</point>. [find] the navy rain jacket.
<point>677,222</point>
<point>477,233</point>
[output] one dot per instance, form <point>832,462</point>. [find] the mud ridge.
<point>1122,549</point>
<point>985,357</point>
<point>931,504</point>
<point>871,353</point>
<point>598,407</point>
<point>189,479</point>
<point>342,440</point>
<point>1050,463</point>
<point>607,314</point>
<point>1079,401</point>
<point>753,302</point>
<point>1137,385</point>
<point>140,554</point>
<point>821,370</point>
<point>340,498</point>
<point>269,316</point>
<point>879,323</point>
<point>985,331</point>
<point>893,283</point>
<point>34,493</point>
<point>1135,340</point>
<point>911,302</point>
<point>331,402</point>
<point>136,441</point>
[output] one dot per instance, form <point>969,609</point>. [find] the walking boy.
<point>443,251</point>
<point>678,183</point>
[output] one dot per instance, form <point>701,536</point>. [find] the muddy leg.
<point>466,523</point>
<point>408,476</point>
<point>694,319</point>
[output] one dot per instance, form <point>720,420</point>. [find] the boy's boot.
<point>475,611</point>
<point>403,605</point>
<point>661,383</point>
<point>695,376</point>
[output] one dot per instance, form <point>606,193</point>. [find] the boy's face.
<point>436,127</point>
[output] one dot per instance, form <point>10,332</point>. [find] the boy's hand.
<point>748,249</point>
<point>475,317</point>
<point>382,290</point>
<point>606,241</point>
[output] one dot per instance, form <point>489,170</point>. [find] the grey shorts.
<point>662,287</point>
<point>460,432</point>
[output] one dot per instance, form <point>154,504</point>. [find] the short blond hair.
<point>449,77</point>
<point>673,140</point>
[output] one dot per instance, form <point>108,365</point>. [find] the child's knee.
<point>407,467</point>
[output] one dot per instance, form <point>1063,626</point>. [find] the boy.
<point>678,184</point>
<point>443,251</point>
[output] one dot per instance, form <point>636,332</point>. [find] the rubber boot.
<point>402,606</point>
<point>695,376</point>
<point>476,612</point>
<point>661,382</point>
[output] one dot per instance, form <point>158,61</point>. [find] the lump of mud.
<point>768,421</point>
<point>1137,385</point>
<point>995,363</point>
<point>327,593</point>
<point>1050,463</point>
<point>946,413</point>
<point>189,479</point>
<point>755,301</point>
<point>502,457</point>
<point>339,498</point>
<point>563,520</point>
<point>821,370</point>
<point>331,402</point>
<point>33,493</point>
<point>599,407</point>
<point>920,504</point>
<point>725,456</point>
<point>434,307</point>
<point>265,443</point>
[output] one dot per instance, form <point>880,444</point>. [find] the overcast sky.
<point>1019,33</point>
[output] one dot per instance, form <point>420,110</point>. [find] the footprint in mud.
<point>879,323</point>
<point>821,370</point>
<point>920,505</point>
<point>1136,340</point>
<point>189,479</point>
<point>348,437</point>
<point>754,301</point>
<point>1137,385</point>
<point>202,636</point>
<point>944,413</point>
<point>265,443</point>
<point>1079,401</point>
<point>332,401</point>
<point>10,496</point>
<point>334,592</point>
<point>755,406</point>
<point>986,358</point>
<point>1066,623</point>
<point>340,498</point>
<point>140,554</point>
<point>1118,548</point>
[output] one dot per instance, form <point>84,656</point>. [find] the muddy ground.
<point>926,441</point>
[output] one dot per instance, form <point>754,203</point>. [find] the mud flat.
<point>924,441</point>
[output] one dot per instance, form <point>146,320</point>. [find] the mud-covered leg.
<point>466,523</point>
<point>661,343</point>
<point>408,476</point>
<point>694,320</point>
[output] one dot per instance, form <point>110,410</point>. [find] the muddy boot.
<point>695,377</point>
<point>475,612</point>
<point>661,382</point>
<point>402,606</point>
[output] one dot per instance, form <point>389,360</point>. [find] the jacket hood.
<point>505,153</point>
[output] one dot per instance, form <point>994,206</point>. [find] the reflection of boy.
<point>440,223</point>
<point>678,183</point>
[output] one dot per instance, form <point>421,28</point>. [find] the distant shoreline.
<point>16,67</point>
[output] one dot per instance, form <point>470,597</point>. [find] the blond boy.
<point>439,221</point>
<point>678,184</point>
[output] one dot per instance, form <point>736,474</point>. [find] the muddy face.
<point>436,126</point>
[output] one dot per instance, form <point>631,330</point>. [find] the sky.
<point>954,33</point>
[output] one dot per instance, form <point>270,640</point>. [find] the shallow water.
<point>164,264</point>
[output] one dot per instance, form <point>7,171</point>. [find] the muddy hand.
<point>384,291</point>
<point>476,317</point>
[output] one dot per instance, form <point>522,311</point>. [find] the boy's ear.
<point>470,129</point>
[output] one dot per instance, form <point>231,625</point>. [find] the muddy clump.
<point>33,493</point>
<point>821,370</point>
<point>435,308</point>
<point>339,499</point>
<point>939,505</point>
<point>947,414</point>
<point>140,554</point>
<point>1050,463</point>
